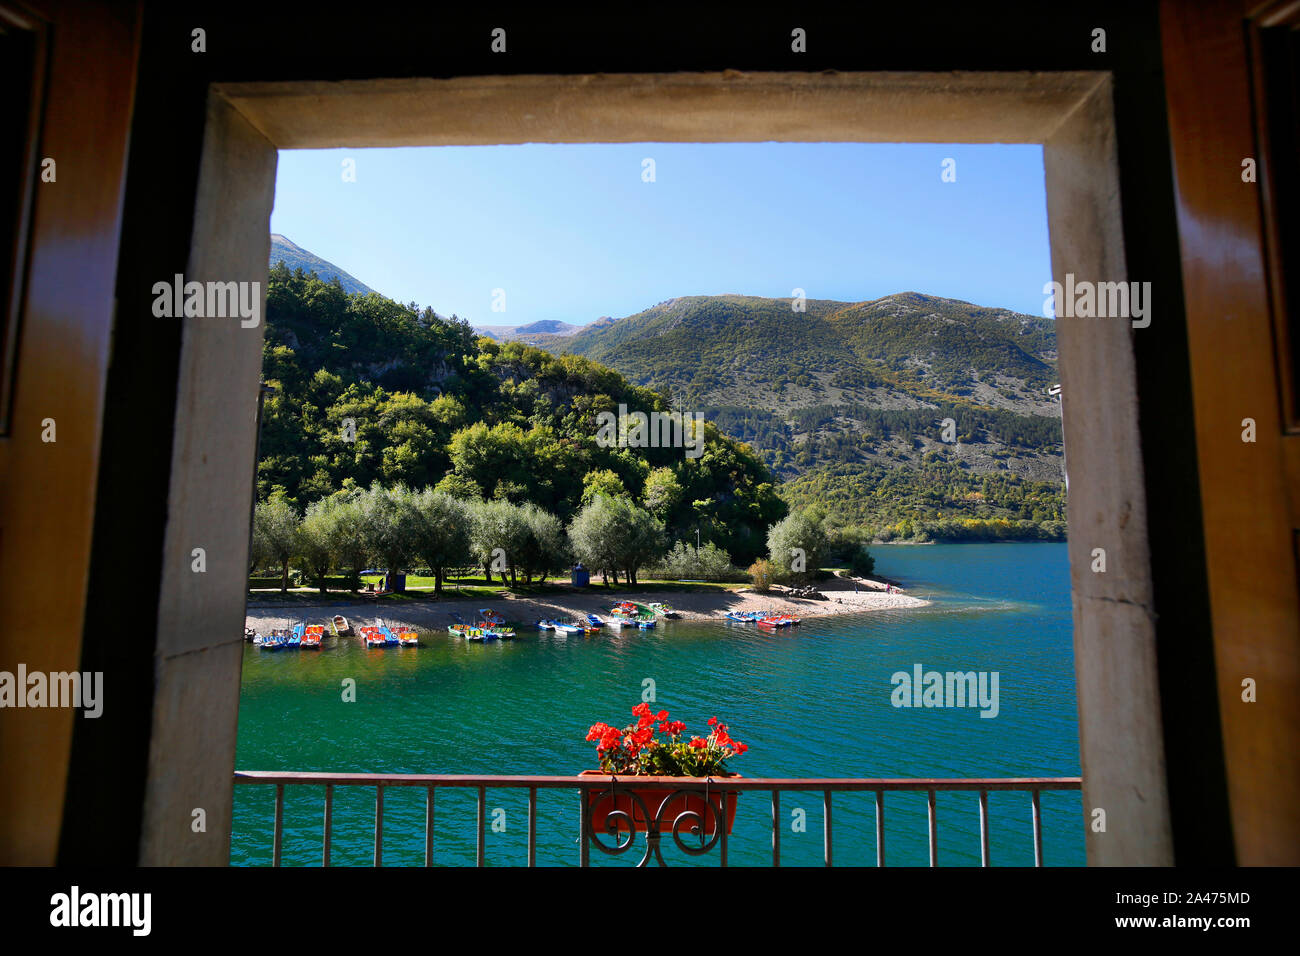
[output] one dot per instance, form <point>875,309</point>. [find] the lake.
<point>811,702</point>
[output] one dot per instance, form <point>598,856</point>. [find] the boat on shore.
<point>312,637</point>
<point>632,614</point>
<point>481,630</point>
<point>596,621</point>
<point>747,617</point>
<point>408,639</point>
<point>377,634</point>
<point>492,625</point>
<point>341,627</point>
<point>277,640</point>
<point>664,610</point>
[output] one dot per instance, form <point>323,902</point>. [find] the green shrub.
<point>684,563</point>
<point>862,563</point>
<point>761,574</point>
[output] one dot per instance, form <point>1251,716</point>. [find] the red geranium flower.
<point>620,749</point>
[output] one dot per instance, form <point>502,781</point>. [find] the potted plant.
<point>637,751</point>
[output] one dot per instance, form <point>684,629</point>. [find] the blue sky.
<point>573,232</point>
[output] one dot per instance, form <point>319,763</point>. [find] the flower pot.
<point>653,791</point>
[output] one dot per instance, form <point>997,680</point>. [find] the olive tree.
<point>351,551</point>
<point>442,533</point>
<point>796,545</point>
<point>545,547</point>
<point>613,534</point>
<point>498,532</point>
<point>317,545</point>
<point>389,525</point>
<point>593,537</point>
<point>276,522</point>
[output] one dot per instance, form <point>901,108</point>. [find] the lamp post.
<point>1055,392</point>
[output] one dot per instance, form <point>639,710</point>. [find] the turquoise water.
<point>814,702</point>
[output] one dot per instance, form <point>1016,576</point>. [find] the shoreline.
<point>842,598</point>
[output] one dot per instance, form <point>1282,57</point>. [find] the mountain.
<point>900,351</point>
<point>845,403</point>
<point>545,333</point>
<point>296,257</point>
<point>429,403</point>
<point>843,395</point>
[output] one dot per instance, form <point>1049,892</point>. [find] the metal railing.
<point>701,817</point>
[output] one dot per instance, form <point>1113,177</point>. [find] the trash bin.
<point>581,578</point>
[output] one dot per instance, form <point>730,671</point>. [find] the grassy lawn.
<point>420,590</point>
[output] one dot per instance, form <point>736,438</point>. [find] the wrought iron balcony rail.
<point>701,816</point>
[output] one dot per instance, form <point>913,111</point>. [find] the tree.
<point>613,534</point>
<point>276,521</point>
<point>459,487</point>
<point>593,536</point>
<point>258,550</point>
<point>796,546</point>
<point>442,533</point>
<point>351,553</point>
<point>389,522</point>
<point>545,547</point>
<point>497,529</point>
<point>663,492</point>
<point>316,540</point>
<point>487,455</point>
<point>643,541</point>
<point>602,482</point>
<point>861,562</point>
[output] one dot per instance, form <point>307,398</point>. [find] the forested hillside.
<point>295,257</point>
<point>371,390</point>
<point>898,351</point>
<point>843,405</point>
<point>839,396</point>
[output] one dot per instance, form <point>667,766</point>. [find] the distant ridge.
<point>294,256</point>
<point>543,333</point>
<point>899,351</point>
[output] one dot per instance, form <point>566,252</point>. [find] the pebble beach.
<point>845,595</point>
